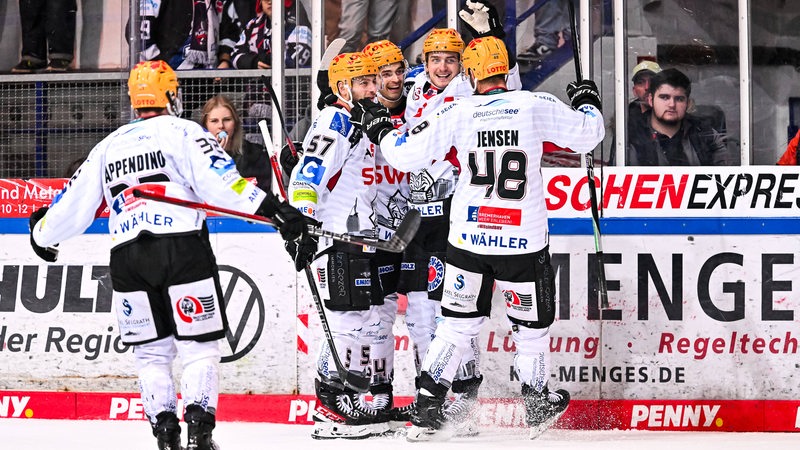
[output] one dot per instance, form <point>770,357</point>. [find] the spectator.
<point>378,14</point>
<point>48,33</point>
<point>254,49</point>
<point>221,119</point>
<point>234,16</point>
<point>642,73</point>
<point>789,157</point>
<point>182,33</point>
<point>552,23</point>
<point>668,136</point>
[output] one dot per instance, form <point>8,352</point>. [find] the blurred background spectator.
<point>48,35</point>
<point>180,32</point>
<point>374,16</point>
<point>254,48</point>
<point>669,136</point>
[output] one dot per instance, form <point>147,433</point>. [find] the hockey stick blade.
<point>405,231</point>
<point>334,48</point>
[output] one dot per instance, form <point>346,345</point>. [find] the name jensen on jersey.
<point>136,163</point>
<point>498,138</point>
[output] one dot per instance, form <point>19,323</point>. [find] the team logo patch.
<point>517,301</point>
<point>435,273</point>
<point>340,124</point>
<point>312,170</point>
<point>460,283</point>
<point>191,309</point>
<point>221,165</point>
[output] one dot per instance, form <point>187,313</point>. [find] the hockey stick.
<point>350,379</point>
<point>405,232</point>
<point>277,106</point>
<point>330,52</point>
<point>273,158</point>
<point>601,271</point>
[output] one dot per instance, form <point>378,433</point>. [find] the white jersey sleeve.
<point>331,182</point>
<point>498,205</point>
<point>175,156</point>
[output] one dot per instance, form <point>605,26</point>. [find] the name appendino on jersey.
<point>136,163</point>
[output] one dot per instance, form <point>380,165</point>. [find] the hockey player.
<point>391,205</point>
<point>328,184</point>
<point>498,236</point>
<point>166,288</point>
<point>431,189</point>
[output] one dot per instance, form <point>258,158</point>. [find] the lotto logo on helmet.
<point>195,309</point>
<point>435,273</point>
<point>384,52</point>
<point>443,40</point>
<point>347,66</point>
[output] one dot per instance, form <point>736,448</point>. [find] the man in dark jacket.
<point>669,136</point>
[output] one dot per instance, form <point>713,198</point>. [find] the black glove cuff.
<point>269,206</point>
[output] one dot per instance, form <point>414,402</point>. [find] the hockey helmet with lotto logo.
<point>384,52</point>
<point>347,66</point>
<point>443,40</point>
<point>485,57</point>
<point>153,84</point>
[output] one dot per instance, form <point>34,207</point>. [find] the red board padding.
<point>672,415</point>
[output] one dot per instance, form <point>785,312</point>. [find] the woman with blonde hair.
<point>222,120</point>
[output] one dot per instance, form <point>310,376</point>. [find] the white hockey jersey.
<point>498,207</point>
<point>175,156</point>
<point>334,180</point>
<point>391,203</point>
<point>436,181</point>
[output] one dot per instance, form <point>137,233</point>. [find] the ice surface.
<point>39,434</point>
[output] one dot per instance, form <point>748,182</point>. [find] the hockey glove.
<point>481,19</point>
<point>291,222</point>
<point>306,251</point>
<point>288,160</point>
<point>46,253</point>
<point>373,118</point>
<point>584,93</point>
<point>326,96</point>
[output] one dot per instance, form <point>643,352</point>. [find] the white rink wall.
<point>701,314</point>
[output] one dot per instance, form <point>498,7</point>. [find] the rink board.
<point>664,415</point>
<point>700,266</point>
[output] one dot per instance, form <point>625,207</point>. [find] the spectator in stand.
<point>669,136</point>
<point>552,23</point>
<point>254,50</point>
<point>48,34</point>
<point>182,33</point>
<point>642,73</point>
<point>789,157</point>
<point>378,14</point>
<point>221,120</point>
<point>234,16</point>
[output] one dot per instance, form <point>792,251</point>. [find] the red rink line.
<point>673,415</point>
